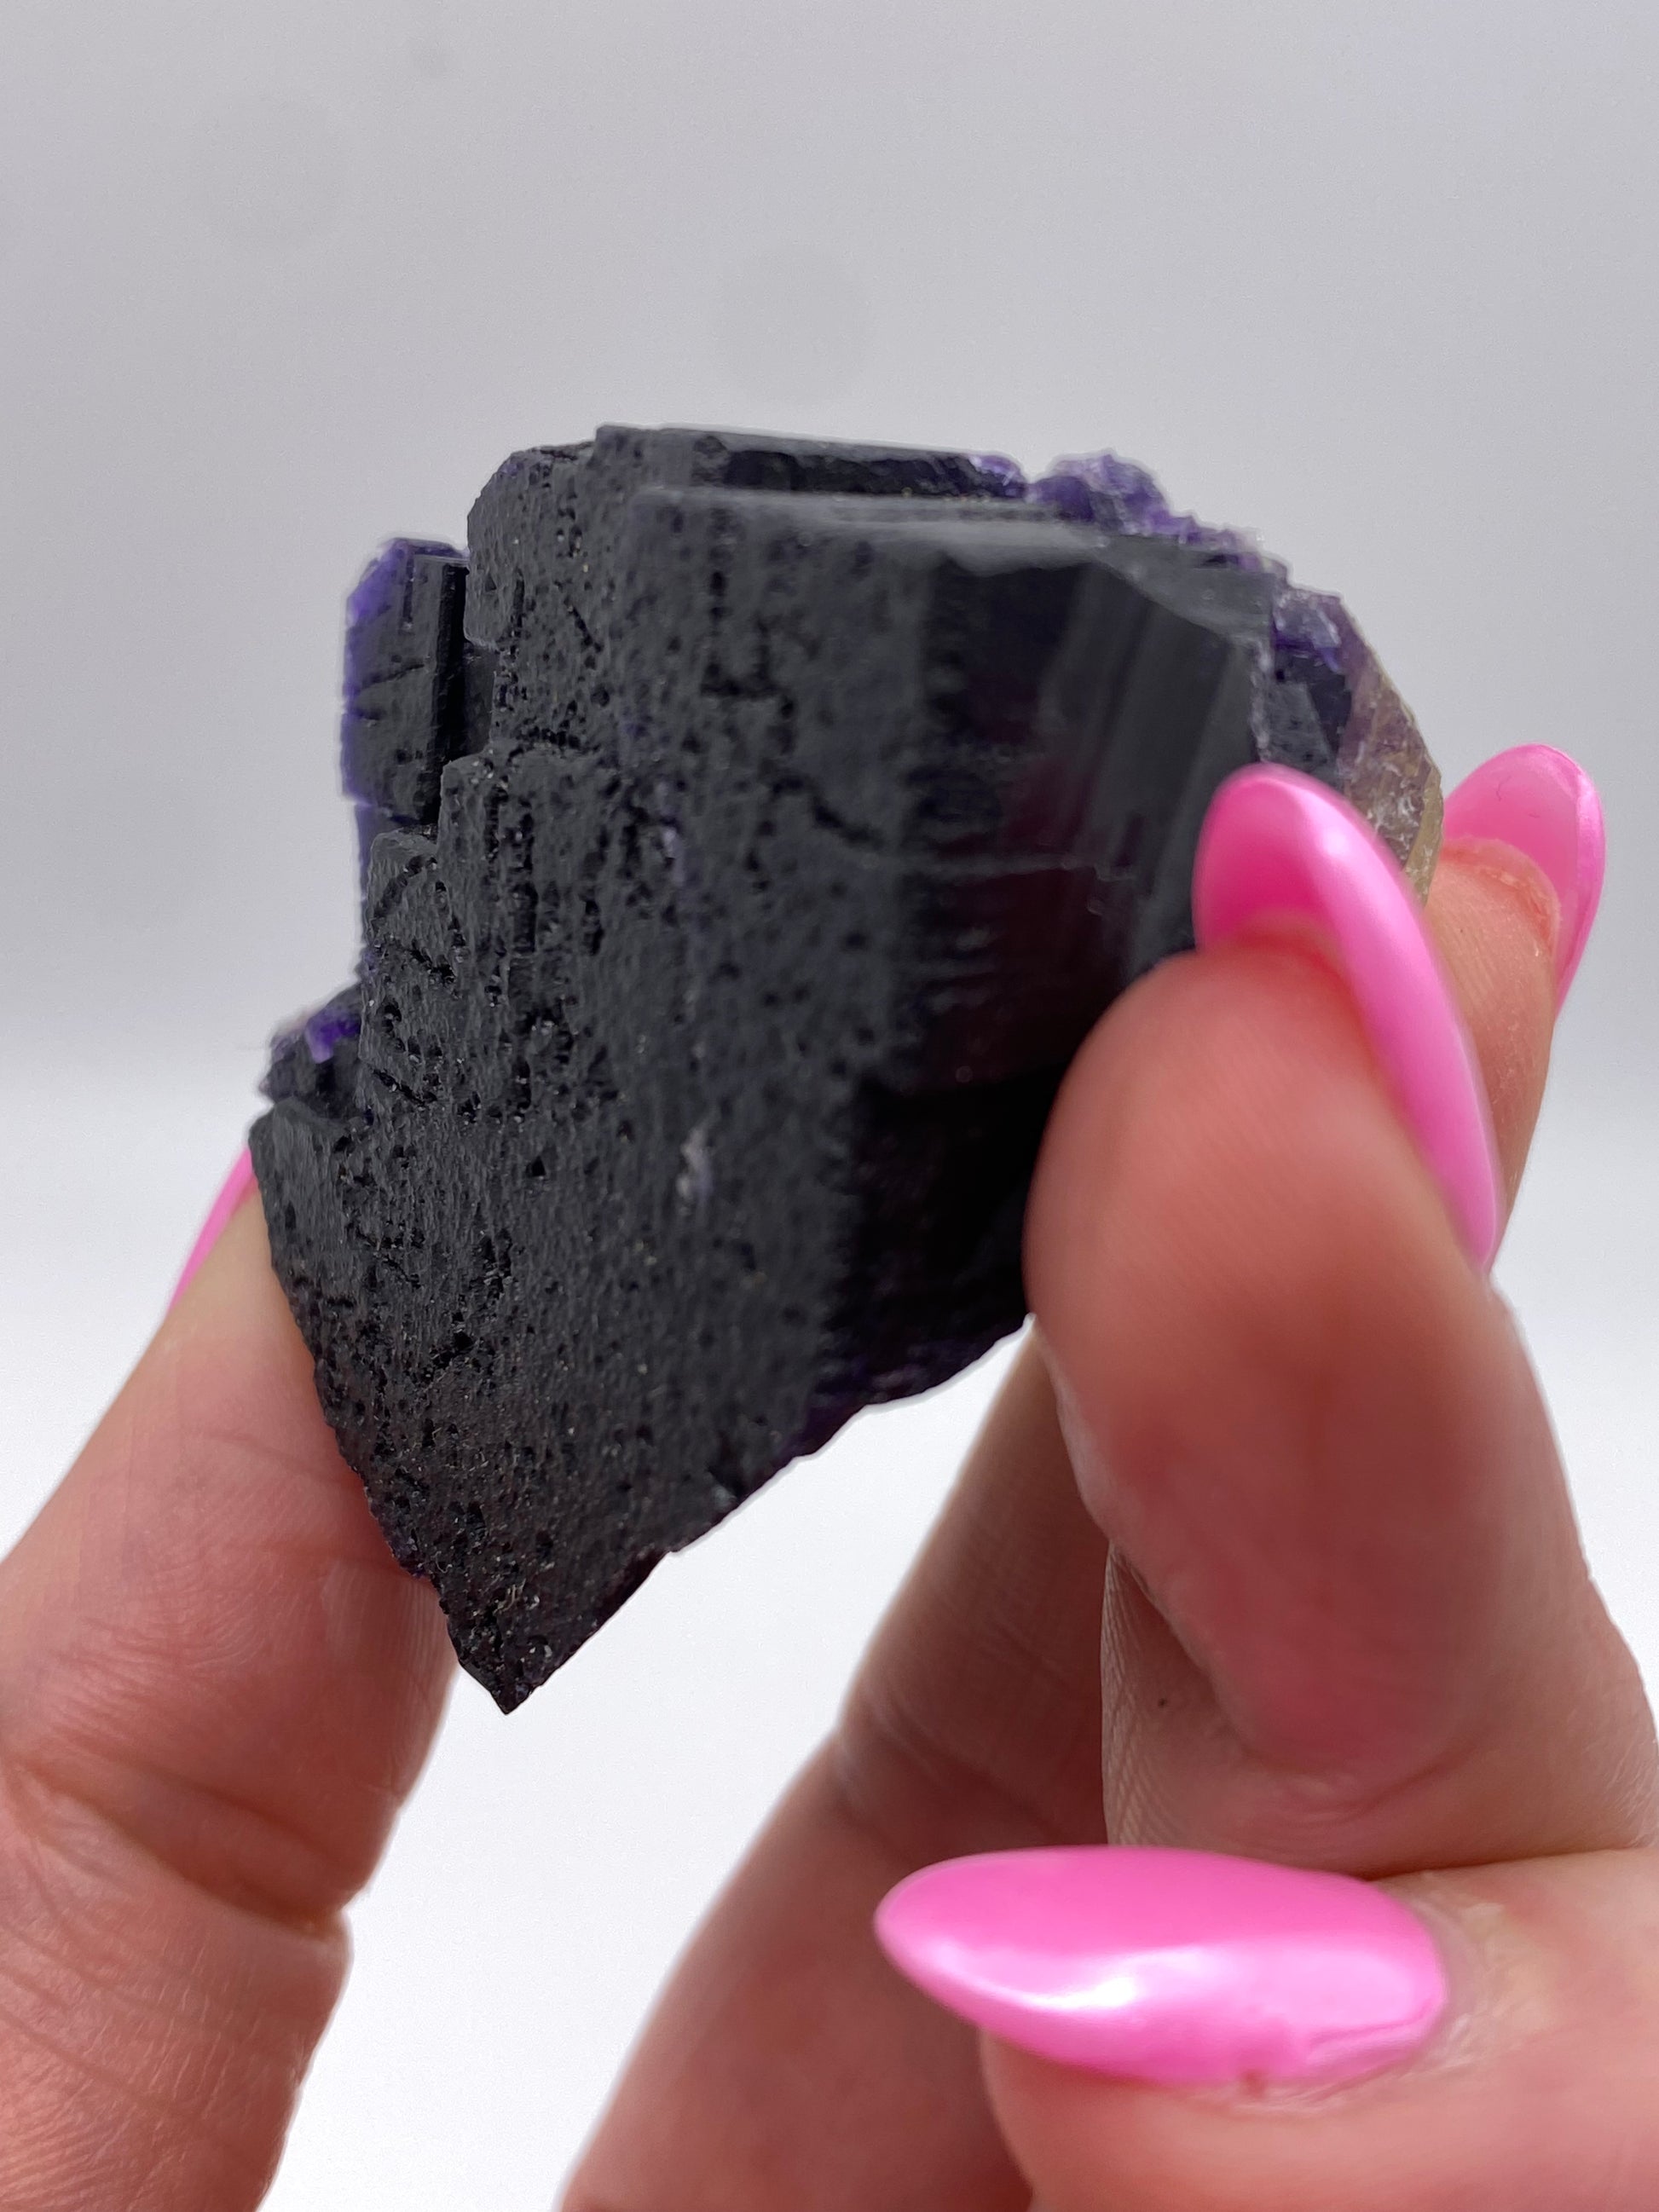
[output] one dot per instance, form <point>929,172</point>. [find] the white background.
<point>277,281</point>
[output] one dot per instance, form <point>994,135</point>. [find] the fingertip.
<point>1495,920</point>
<point>1537,802</point>
<point>237,1186</point>
<point>1221,1153</point>
<point>1285,1393</point>
<point>216,1685</point>
<point>1537,2082</point>
<point>1060,2123</point>
<point>1181,1968</point>
<point>1279,847</point>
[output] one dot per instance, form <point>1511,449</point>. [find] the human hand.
<point>215,1687</point>
<point>1348,1626</point>
<point>1330,1471</point>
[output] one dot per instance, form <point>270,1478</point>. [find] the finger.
<point>786,2063</point>
<point>1349,1622</point>
<point>977,1704</point>
<point>1534,2095</point>
<point>215,1687</point>
<point>1494,920</point>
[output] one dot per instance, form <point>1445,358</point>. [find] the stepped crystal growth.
<point>752,829</point>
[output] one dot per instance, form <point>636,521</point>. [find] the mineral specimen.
<point>751,830</point>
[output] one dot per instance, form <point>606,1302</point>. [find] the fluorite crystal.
<point>752,830</point>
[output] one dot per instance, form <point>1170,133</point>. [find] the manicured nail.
<point>1278,843</point>
<point>237,1185</point>
<point>1541,803</point>
<point>1169,1966</point>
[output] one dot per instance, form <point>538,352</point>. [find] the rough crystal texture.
<point>756,828</point>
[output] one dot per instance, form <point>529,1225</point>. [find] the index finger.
<point>786,2063</point>
<point>1349,1622</point>
<point>215,1687</point>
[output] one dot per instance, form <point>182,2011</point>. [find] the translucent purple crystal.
<point>332,1025</point>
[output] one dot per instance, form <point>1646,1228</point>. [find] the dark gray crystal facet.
<point>756,828</point>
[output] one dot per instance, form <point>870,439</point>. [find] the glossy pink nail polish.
<point>1170,1967</point>
<point>236,1186</point>
<point>1278,843</point>
<point>1541,803</point>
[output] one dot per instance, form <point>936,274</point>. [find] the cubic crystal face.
<point>753,829</point>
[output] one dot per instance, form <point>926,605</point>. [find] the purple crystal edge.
<point>1118,495</point>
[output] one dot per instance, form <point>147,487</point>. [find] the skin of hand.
<point>1269,1411</point>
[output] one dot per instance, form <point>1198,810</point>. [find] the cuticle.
<point>1454,2044</point>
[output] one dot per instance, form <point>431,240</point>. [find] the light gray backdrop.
<point>278,282</point>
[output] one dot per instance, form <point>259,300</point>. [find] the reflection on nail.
<point>1170,1967</point>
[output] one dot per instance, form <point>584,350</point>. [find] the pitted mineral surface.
<point>752,829</point>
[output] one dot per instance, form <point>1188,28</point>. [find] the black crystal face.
<point>754,830</point>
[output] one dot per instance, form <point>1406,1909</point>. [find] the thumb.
<point>1349,1622</point>
<point>1532,2091</point>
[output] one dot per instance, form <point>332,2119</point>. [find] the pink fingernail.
<point>1169,1966</point>
<point>1275,843</point>
<point>235,1188</point>
<point>1541,803</point>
